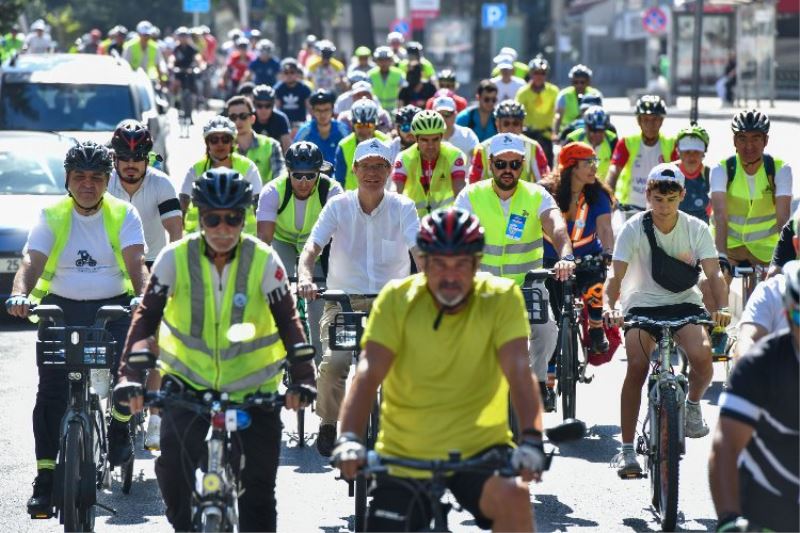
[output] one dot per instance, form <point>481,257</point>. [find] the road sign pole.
<point>195,19</point>
<point>698,33</point>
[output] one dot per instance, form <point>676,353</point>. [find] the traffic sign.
<point>654,20</point>
<point>494,16</point>
<point>196,6</point>
<point>401,26</point>
<point>424,9</point>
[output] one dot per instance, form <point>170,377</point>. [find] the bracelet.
<point>348,436</point>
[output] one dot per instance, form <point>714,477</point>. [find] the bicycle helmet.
<point>326,48</point>
<point>580,71</point>
<point>383,52</point>
<point>405,114</point>
<point>289,63</point>
<point>355,76</point>
<point>587,100</point>
<point>750,120</point>
<point>693,131</point>
<point>395,37</point>
<point>144,27</point>
<point>595,118</point>
<point>219,124</point>
<point>364,111</point>
<point>509,109</point>
<point>539,63</point>
<point>89,156</point>
<point>428,122</point>
<point>321,96</point>
<point>182,31</point>
<point>131,137</point>
<point>304,156</point>
<point>446,75</point>
<point>651,104</point>
<point>263,93</point>
<point>450,231</point>
<point>222,188</point>
<point>265,46</point>
<point>510,52</point>
<point>414,48</point>
<point>363,51</point>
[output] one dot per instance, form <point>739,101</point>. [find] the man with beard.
<point>516,215</point>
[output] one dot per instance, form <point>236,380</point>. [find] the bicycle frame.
<point>660,379</point>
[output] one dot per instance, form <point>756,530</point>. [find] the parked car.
<point>81,95</point>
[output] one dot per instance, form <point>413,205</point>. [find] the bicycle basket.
<point>536,304</point>
<point>75,348</point>
<point>344,333</point>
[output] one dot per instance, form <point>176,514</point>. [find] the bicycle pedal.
<point>42,516</point>
<point>632,475</point>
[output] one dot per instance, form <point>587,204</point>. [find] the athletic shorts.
<point>664,312</point>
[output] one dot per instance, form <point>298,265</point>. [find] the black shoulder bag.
<point>672,274</point>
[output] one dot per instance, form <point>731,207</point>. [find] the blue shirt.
<point>309,132</point>
<point>293,100</point>
<point>339,166</point>
<point>601,206</point>
<point>469,118</point>
<point>265,72</point>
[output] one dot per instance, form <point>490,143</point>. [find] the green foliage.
<point>10,10</point>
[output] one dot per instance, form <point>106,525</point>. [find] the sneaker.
<point>549,400</point>
<point>696,427</point>
<point>152,440</point>
<point>627,464</point>
<point>326,439</point>
<point>599,342</point>
<point>120,449</point>
<point>39,505</point>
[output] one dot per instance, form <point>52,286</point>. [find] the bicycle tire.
<point>71,512</point>
<point>301,428</point>
<point>668,461</point>
<point>210,523</point>
<point>569,374</point>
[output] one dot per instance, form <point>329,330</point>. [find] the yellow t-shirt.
<point>445,390</point>
<point>540,108</point>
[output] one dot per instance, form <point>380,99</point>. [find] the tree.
<point>10,10</point>
<point>363,28</point>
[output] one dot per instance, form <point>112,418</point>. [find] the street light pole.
<point>244,13</point>
<point>698,33</point>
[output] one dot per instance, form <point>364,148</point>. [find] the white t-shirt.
<point>368,250</point>
<point>270,200</point>
<point>507,90</point>
<point>765,306</point>
<point>548,202</point>
<point>465,140</point>
<point>690,241</point>
<point>252,176</point>
<point>646,159</point>
<point>87,268</point>
<point>38,45</point>
<point>156,200</point>
<point>783,180</point>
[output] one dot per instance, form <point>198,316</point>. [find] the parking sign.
<point>494,16</point>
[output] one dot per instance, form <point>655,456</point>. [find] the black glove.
<point>307,393</point>
<point>725,265</point>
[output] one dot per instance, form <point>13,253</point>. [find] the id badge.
<point>516,224</point>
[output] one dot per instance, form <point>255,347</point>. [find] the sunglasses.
<point>590,160</point>
<point>217,139</point>
<point>369,125</point>
<point>307,176</point>
<point>240,116</point>
<point>135,158</point>
<point>489,100</point>
<point>501,164</point>
<point>265,106</point>
<point>212,220</point>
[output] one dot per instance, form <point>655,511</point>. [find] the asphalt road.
<point>580,492</point>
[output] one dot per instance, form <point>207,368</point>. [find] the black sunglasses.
<point>264,106</point>
<point>501,164</point>
<point>212,220</point>
<point>310,176</point>
<point>240,116</point>
<point>124,158</point>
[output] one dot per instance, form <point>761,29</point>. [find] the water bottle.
<point>719,340</point>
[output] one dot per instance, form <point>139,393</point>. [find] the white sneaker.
<point>152,440</point>
<point>627,464</point>
<point>696,427</point>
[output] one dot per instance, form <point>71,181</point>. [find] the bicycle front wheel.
<point>668,458</point>
<point>569,373</point>
<point>73,515</point>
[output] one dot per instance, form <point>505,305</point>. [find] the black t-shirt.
<point>275,127</point>
<point>763,392</point>
<point>418,98</point>
<point>184,55</point>
<point>784,251</point>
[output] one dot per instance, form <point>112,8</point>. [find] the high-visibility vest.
<point>193,339</point>
<point>540,107</point>
<point>59,220</point>
<point>348,145</point>
<point>386,90</point>
<point>531,147</point>
<point>285,229</point>
<point>440,189</point>
<point>240,164</point>
<point>751,218</point>
<point>603,151</point>
<point>514,242</point>
<point>151,68</point>
<point>572,110</point>
<point>261,155</point>
<point>633,144</point>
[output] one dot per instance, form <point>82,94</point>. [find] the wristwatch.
<point>568,257</point>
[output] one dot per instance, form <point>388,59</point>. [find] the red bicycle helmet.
<point>450,231</point>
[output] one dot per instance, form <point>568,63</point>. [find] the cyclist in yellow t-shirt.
<point>446,346</point>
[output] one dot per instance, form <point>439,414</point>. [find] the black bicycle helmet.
<point>414,48</point>
<point>131,138</point>
<point>651,104</point>
<point>222,188</point>
<point>750,120</point>
<point>89,156</point>
<point>263,93</point>
<point>509,109</point>
<point>304,156</point>
<point>450,231</point>
<point>321,96</point>
<point>539,63</point>
<point>405,114</point>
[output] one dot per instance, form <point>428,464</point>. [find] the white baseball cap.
<point>507,142</point>
<point>510,52</point>
<point>361,87</point>
<point>144,27</point>
<point>373,148</point>
<point>39,25</point>
<point>502,58</point>
<point>444,103</point>
<point>667,172</point>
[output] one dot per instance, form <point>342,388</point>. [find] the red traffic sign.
<point>655,20</point>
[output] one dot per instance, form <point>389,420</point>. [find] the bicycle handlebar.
<point>644,322</point>
<point>105,314</point>
<point>498,460</point>
<point>582,264</point>
<point>203,404</point>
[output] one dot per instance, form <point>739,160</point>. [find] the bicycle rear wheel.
<point>72,512</point>
<point>668,456</point>
<point>569,372</point>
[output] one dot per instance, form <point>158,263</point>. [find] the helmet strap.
<point>85,211</point>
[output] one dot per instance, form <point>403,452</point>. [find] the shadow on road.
<point>553,515</point>
<point>713,392</point>
<point>12,324</point>
<point>598,446</point>
<point>306,459</point>
<point>135,508</point>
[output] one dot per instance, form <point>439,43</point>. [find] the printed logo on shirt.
<point>291,101</point>
<point>85,259</point>
<point>398,164</point>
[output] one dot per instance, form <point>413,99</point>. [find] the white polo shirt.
<point>156,200</point>
<point>368,250</point>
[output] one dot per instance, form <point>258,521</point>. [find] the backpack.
<point>769,168</point>
<point>322,188</point>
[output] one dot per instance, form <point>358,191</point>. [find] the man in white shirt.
<point>507,83</point>
<point>373,232</point>
<point>462,138</point>
<point>38,41</point>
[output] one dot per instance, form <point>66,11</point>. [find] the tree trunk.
<point>363,29</point>
<point>282,30</point>
<point>314,18</point>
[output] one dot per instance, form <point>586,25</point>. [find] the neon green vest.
<point>136,57</point>
<point>440,191</point>
<point>633,144</point>
<point>59,219</point>
<point>285,229</point>
<point>240,164</point>
<point>531,148</point>
<point>751,219</point>
<point>386,90</point>
<point>603,152</point>
<point>572,108</point>
<point>503,255</point>
<point>261,155</point>
<point>193,340</point>
<point>348,145</point>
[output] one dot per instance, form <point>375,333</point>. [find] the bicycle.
<point>216,492</point>
<point>662,439</point>
<point>82,465</point>
<point>187,78</point>
<point>496,460</point>
<point>345,333</point>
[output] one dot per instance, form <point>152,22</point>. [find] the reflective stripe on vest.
<point>193,338</point>
<point>348,145</point>
<point>261,156</point>
<point>386,90</point>
<point>503,255</point>
<point>530,159</point>
<point>751,219</point>
<point>440,189</point>
<point>633,144</point>
<point>240,164</point>
<point>59,219</point>
<point>285,228</point>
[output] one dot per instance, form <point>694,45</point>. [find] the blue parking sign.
<point>494,16</point>
<point>196,6</point>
